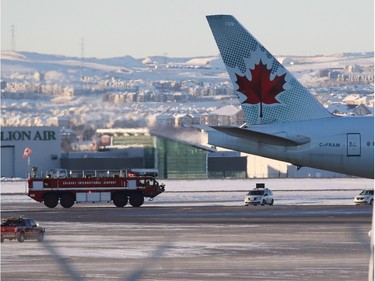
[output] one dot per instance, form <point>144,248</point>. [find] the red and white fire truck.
<point>94,186</point>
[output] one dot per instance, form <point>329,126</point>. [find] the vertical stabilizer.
<point>267,91</point>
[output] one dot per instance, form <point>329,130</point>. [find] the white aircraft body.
<point>284,120</point>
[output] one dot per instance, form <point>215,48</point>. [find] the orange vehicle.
<point>120,187</point>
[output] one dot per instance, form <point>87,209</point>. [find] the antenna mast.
<point>13,40</point>
<point>82,48</point>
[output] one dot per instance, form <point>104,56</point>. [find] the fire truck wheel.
<point>51,200</point>
<point>136,199</point>
<point>119,199</point>
<point>67,200</point>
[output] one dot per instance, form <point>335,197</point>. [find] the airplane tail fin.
<point>268,93</point>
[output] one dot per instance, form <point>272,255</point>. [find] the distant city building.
<point>286,60</point>
<point>229,115</point>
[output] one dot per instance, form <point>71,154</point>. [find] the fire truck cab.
<point>71,187</point>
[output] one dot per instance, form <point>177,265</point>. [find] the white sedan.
<point>365,197</point>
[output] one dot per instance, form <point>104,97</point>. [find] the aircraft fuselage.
<point>338,144</point>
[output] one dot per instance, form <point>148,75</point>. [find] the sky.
<point>178,28</point>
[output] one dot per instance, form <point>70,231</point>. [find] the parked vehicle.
<point>259,196</point>
<point>365,197</point>
<point>21,229</point>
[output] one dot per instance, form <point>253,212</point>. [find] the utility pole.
<point>81,66</point>
<point>82,48</point>
<point>13,40</point>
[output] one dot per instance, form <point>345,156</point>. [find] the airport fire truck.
<point>120,187</point>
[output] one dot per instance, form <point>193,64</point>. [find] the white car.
<point>365,197</point>
<point>259,196</point>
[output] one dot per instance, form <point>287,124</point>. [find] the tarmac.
<point>102,242</point>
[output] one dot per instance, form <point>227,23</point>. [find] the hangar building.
<point>44,142</point>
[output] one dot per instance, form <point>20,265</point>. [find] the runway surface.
<point>172,242</point>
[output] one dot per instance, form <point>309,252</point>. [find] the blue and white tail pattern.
<point>268,93</point>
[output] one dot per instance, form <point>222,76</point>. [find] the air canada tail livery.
<point>284,120</point>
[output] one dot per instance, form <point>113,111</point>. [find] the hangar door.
<point>354,144</point>
<point>7,161</point>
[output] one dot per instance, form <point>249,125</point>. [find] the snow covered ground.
<point>204,251</point>
<point>337,191</point>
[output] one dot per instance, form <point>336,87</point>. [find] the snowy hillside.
<point>26,62</point>
<point>89,93</point>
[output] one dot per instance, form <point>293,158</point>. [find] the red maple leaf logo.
<point>260,89</point>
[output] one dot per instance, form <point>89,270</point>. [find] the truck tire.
<point>51,200</point>
<point>21,237</point>
<point>67,200</point>
<point>136,199</point>
<point>40,236</point>
<point>119,199</point>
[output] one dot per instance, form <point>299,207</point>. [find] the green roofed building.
<point>176,160</point>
